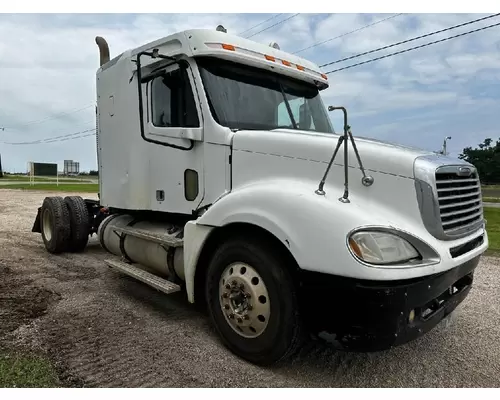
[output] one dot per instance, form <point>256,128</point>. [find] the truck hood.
<point>376,155</point>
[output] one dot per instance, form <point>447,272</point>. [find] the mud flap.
<point>36,226</point>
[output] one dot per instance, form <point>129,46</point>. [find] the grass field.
<point>492,215</point>
<point>62,187</point>
<point>26,371</point>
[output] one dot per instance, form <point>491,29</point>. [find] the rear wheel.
<point>79,222</point>
<point>55,224</point>
<point>252,302</point>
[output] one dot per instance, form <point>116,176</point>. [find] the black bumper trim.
<point>360,315</point>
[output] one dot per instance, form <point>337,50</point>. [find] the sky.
<point>48,64</point>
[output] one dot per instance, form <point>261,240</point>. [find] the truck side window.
<point>295,105</point>
<point>172,101</point>
<point>284,117</point>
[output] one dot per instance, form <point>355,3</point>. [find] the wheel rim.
<point>244,300</point>
<point>47,225</point>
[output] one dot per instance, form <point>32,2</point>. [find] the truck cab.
<point>220,175</point>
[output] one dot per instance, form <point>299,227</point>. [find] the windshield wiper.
<point>287,104</point>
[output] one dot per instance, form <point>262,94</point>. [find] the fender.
<point>289,210</point>
<point>312,227</point>
<point>315,229</point>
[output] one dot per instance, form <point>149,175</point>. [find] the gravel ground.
<point>103,329</point>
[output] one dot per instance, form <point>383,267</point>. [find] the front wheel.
<point>252,302</point>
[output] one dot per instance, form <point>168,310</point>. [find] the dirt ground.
<point>103,329</point>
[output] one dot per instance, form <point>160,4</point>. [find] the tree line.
<point>486,158</point>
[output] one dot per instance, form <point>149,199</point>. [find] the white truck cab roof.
<point>206,42</point>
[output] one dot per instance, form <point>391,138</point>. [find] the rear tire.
<point>265,327</point>
<point>79,223</point>
<point>55,224</point>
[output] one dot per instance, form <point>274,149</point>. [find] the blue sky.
<point>48,64</point>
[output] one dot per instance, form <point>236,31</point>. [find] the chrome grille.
<point>460,201</point>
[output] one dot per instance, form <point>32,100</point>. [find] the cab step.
<point>148,278</point>
<point>165,240</point>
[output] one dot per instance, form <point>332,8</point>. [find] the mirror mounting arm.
<point>366,180</point>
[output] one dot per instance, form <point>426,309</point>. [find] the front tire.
<point>55,224</point>
<point>252,302</point>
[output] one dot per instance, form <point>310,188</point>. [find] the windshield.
<point>243,97</point>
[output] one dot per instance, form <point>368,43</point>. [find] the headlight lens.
<point>382,248</point>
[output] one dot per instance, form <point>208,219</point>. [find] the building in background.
<point>71,167</point>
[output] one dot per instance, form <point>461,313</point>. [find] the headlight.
<point>382,248</point>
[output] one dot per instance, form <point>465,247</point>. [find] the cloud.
<point>48,65</point>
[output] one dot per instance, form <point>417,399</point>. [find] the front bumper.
<point>360,315</point>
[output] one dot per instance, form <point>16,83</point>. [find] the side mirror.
<point>304,117</point>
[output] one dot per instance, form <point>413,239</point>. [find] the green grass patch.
<point>26,371</point>
<point>63,187</point>
<point>492,215</point>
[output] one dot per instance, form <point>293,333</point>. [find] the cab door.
<point>174,129</point>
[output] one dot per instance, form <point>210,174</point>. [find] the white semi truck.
<point>220,175</point>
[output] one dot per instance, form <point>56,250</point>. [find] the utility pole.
<point>1,170</point>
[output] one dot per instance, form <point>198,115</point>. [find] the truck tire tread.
<point>284,337</point>
<point>61,230</point>
<point>79,222</point>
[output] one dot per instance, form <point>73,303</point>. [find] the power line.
<point>348,33</point>
<point>260,23</point>
<point>55,116</point>
<point>69,136</point>
<point>411,40</point>
<point>412,48</point>
<point>272,26</point>
<point>55,137</point>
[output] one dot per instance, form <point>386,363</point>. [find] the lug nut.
<point>225,295</point>
<point>226,306</point>
<point>234,283</point>
<point>228,286</point>
<point>250,307</point>
<point>239,320</point>
<point>246,317</point>
<point>242,286</point>
<point>231,316</point>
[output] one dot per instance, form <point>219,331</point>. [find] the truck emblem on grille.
<point>464,171</point>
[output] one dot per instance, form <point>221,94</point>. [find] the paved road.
<point>491,205</point>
